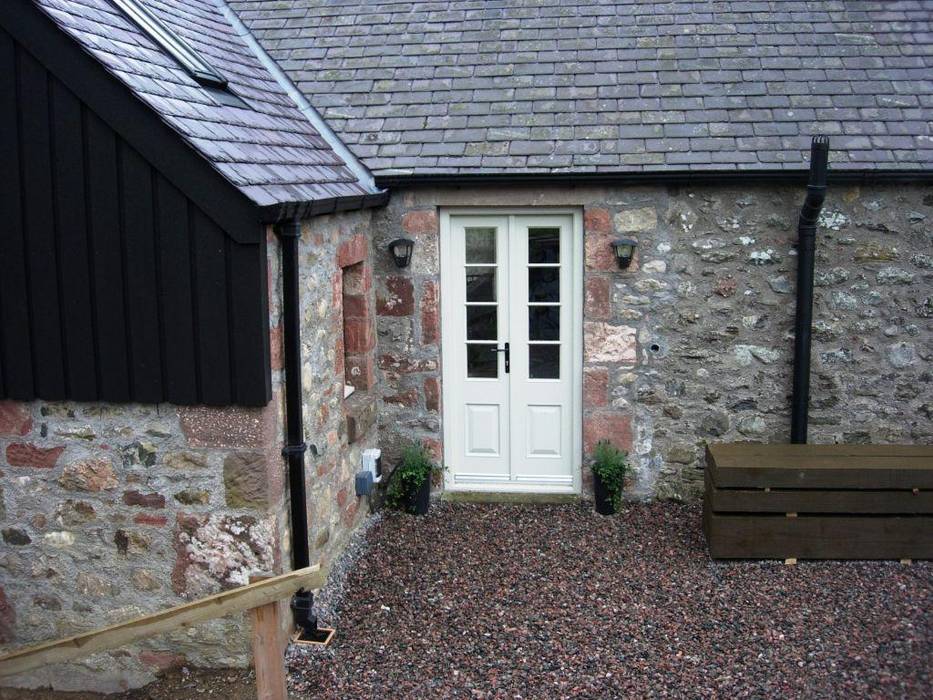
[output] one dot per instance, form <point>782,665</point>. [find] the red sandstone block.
<point>154,520</point>
<point>597,220</point>
<point>352,251</point>
<point>432,394</point>
<point>407,398</point>
<point>342,497</point>
<point>358,336</point>
<point>355,306</point>
<point>361,371</point>
<point>229,426</point>
<point>599,254</point>
<point>434,448</point>
<point>415,222</point>
<point>15,418</point>
<point>430,313</point>
<point>161,660</point>
<point>596,301</point>
<point>607,425</point>
<point>7,619</point>
<point>398,299</point>
<point>144,500</point>
<point>276,347</point>
<point>24,454</point>
<point>595,387</point>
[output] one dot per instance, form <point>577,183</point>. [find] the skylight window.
<point>197,67</point>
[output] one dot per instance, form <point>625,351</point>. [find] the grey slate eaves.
<point>588,86</point>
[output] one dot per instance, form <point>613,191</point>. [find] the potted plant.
<point>609,469</point>
<point>410,484</point>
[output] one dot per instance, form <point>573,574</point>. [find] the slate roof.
<point>468,86</point>
<point>268,149</point>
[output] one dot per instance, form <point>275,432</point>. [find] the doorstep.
<point>508,497</point>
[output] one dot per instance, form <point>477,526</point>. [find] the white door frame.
<point>577,269</point>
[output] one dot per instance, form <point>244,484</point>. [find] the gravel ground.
<point>505,601</point>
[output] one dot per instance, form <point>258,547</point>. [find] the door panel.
<point>512,419</point>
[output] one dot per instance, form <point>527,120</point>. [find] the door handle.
<point>507,355</point>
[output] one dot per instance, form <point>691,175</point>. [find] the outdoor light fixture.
<point>624,249</point>
<point>401,251</point>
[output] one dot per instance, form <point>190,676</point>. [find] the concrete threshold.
<point>507,497</point>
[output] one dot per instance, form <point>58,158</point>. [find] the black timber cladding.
<point>115,284</point>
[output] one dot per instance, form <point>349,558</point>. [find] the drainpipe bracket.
<point>298,449</point>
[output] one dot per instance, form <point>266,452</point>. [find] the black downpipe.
<point>806,245</point>
<point>289,234</point>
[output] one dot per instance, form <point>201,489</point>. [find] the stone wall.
<point>338,348</point>
<point>694,341</point>
<point>112,511</point>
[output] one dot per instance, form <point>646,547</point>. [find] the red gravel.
<point>504,601</point>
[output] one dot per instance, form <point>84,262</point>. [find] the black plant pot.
<point>419,501</point>
<point>602,496</point>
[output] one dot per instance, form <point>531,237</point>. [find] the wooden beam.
<point>268,652</point>
<point>240,599</point>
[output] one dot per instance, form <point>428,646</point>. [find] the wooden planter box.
<point>819,501</point>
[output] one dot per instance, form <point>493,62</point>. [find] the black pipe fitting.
<point>806,250</point>
<point>289,233</point>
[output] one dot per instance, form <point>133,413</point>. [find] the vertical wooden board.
<point>142,308</point>
<point>68,173</point>
<point>210,283</point>
<point>268,652</point>
<point>15,345</point>
<point>106,260</point>
<point>250,317</point>
<point>41,254</point>
<point>174,281</point>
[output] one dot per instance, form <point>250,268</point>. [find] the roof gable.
<point>265,147</point>
<point>610,86</point>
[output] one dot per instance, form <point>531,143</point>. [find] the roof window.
<point>190,60</point>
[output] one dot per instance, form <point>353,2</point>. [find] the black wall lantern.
<point>401,251</point>
<point>624,249</point>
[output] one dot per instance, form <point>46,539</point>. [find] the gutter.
<point>803,319</point>
<point>921,175</point>
<point>290,211</point>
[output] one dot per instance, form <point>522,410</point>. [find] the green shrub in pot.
<point>410,484</point>
<point>610,467</point>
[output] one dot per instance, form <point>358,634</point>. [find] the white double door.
<point>511,290</point>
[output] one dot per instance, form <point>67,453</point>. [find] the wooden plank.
<point>816,456</point>
<point>39,223</point>
<point>904,472</point>
<point>819,537</point>
<point>70,204</point>
<point>268,652</point>
<point>106,260</point>
<point>14,314</point>
<point>250,325</point>
<point>174,272</point>
<point>142,306</point>
<point>209,262</point>
<point>237,600</point>
<point>818,500</point>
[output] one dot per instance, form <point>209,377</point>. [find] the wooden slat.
<point>735,452</point>
<point>268,644</point>
<point>14,312</point>
<point>783,468</point>
<point>817,500</point>
<point>238,600</point>
<point>818,537</point>
<point>210,287</point>
<point>39,219</point>
<point>250,336</point>
<point>70,205</point>
<point>106,259</point>
<point>141,292</point>
<point>174,243</point>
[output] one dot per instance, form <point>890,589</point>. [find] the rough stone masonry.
<point>694,341</point>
